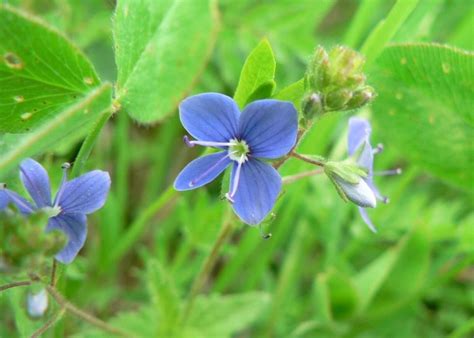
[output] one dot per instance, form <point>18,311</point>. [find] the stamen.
<point>391,172</point>
<point>378,149</point>
<point>235,183</point>
<point>193,182</point>
<point>65,168</point>
<point>205,143</point>
<point>18,201</point>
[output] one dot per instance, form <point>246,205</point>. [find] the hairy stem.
<point>307,159</point>
<point>208,265</point>
<point>53,320</point>
<point>285,158</point>
<point>14,285</point>
<point>84,315</point>
<point>294,178</point>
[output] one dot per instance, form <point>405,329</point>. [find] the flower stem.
<point>14,285</point>
<point>53,320</point>
<point>285,158</point>
<point>307,159</point>
<point>84,315</point>
<point>208,265</point>
<point>294,178</point>
<point>53,273</point>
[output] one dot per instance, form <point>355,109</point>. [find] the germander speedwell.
<point>265,129</point>
<point>74,200</point>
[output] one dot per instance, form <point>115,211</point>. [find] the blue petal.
<point>257,191</point>
<point>74,226</point>
<point>269,127</point>
<point>202,171</point>
<point>366,219</point>
<point>210,117</point>
<point>4,199</point>
<point>86,193</point>
<point>36,181</point>
<point>359,131</point>
<point>21,203</point>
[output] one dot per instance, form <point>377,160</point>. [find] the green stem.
<point>307,159</point>
<point>208,265</point>
<point>53,320</point>
<point>14,285</point>
<point>297,177</point>
<point>139,225</point>
<point>84,315</point>
<point>88,143</point>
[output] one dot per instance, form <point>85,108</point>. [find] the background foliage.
<point>323,273</point>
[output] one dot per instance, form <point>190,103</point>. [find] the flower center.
<point>238,150</point>
<point>51,211</point>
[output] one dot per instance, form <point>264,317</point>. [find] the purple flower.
<point>266,129</point>
<point>359,141</point>
<point>74,200</point>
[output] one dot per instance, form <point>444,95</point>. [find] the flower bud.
<point>312,106</point>
<point>361,97</point>
<point>359,193</point>
<point>348,179</point>
<point>338,79</point>
<point>337,100</point>
<point>37,303</point>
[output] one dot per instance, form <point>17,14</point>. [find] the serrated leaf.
<point>259,68</point>
<point>161,47</point>
<point>424,107</point>
<point>41,72</point>
<point>223,316</point>
<point>74,119</point>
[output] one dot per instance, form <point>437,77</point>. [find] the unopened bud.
<point>358,193</point>
<point>37,303</point>
<point>337,100</point>
<point>312,106</point>
<point>361,97</point>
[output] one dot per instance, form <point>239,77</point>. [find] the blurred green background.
<point>323,273</point>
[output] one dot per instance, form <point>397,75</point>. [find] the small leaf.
<point>73,120</point>
<point>259,68</point>
<point>265,90</point>
<point>161,47</point>
<point>424,107</point>
<point>293,93</point>
<point>223,316</point>
<point>41,72</point>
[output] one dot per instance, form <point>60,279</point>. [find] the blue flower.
<point>266,129</point>
<point>358,142</point>
<point>74,200</point>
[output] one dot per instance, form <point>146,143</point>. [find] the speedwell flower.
<point>266,129</point>
<point>359,141</point>
<point>74,200</point>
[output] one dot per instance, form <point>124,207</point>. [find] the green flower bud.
<point>312,106</point>
<point>361,97</point>
<point>337,100</point>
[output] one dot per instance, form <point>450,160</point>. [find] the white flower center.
<point>238,150</point>
<point>51,211</point>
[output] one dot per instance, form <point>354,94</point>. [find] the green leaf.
<point>259,68</point>
<point>74,119</point>
<point>223,316</point>
<point>161,47</point>
<point>164,296</point>
<point>395,277</point>
<point>339,296</point>
<point>387,28</point>
<point>41,72</point>
<point>293,93</point>
<point>424,107</point>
